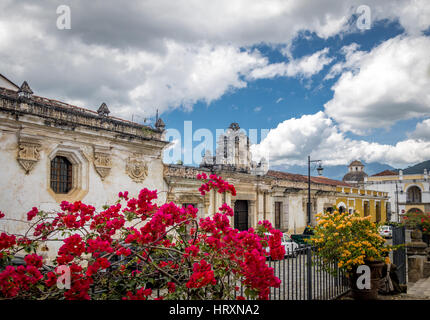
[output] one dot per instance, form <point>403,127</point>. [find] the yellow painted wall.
<point>405,177</point>
<point>419,184</point>
<point>358,206</point>
<point>421,207</point>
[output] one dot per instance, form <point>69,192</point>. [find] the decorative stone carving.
<point>102,164</point>
<point>180,171</point>
<point>28,154</point>
<point>103,110</point>
<point>136,169</point>
<point>25,91</point>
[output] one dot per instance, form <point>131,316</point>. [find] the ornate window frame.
<point>80,173</point>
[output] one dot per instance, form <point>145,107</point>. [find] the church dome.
<point>356,163</point>
<point>355,173</point>
<point>357,176</point>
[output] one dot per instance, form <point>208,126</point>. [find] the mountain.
<point>336,172</point>
<point>418,168</point>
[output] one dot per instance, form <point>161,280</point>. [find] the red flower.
<point>32,213</point>
<point>34,260</point>
<point>123,252</point>
<point>141,294</point>
<point>104,263</point>
<point>73,245</point>
<point>51,279</point>
<point>203,275</point>
<point>7,241</point>
<point>171,286</point>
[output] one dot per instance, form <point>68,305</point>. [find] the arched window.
<point>414,195</point>
<point>61,175</point>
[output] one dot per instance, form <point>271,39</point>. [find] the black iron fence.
<point>304,277</point>
<point>399,255</point>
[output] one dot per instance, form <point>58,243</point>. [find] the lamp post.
<point>320,170</point>
<point>397,201</point>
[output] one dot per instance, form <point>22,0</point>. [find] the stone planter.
<point>375,280</point>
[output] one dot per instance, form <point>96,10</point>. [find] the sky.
<point>330,79</point>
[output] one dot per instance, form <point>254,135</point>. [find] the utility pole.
<point>309,190</point>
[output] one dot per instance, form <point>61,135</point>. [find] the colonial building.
<point>407,192</point>
<point>52,151</point>
<point>279,197</point>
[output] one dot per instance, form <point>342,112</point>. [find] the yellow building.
<point>366,202</point>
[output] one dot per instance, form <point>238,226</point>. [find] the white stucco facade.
<point>104,161</point>
<point>400,188</point>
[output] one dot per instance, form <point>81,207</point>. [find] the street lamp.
<point>320,170</point>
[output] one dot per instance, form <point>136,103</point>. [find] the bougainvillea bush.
<point>135,249</point>
<point>417,219</point>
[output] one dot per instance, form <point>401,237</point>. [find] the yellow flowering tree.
<point>348,240</point>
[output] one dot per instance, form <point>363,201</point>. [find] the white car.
<point>290,246</point>
<point>386,231</point>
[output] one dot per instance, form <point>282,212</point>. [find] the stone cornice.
<point>55,113</point>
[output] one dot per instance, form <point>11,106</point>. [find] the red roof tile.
<point>302,178</point>
<point>385,173</point>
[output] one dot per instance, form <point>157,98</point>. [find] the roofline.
<point>10,81</point>
<point>60,104</point>
<point>336,183</point>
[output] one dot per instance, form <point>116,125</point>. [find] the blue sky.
<point>303,70</point>
<point>264,103</point>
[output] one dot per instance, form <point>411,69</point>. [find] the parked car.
<point>291,248</point>
<point>386,231</point>
<point>300,238</point>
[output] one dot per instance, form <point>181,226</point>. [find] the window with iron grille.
<point>61,175</point>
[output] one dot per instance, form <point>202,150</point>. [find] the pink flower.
<point>32,213</point>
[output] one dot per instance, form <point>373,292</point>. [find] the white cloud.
<point>257,109</point>
<point>186,75</point>
<point>422,131</point>
<point>160,54</point>
<point>304,67</point>
<point>378,88</point>
<point>352,61</point>
<point>317,135</point>
<point>279,100</point>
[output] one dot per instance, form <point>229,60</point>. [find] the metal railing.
<point>399,255</point>
<point>303,277</point>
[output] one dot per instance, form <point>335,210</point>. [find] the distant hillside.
<point>418,168</point>
<point>337,172</point>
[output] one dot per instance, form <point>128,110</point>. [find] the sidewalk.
<point>421,288</point>
<point>418,291</point>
